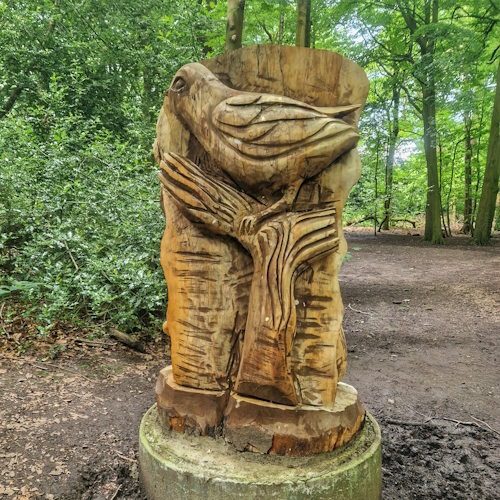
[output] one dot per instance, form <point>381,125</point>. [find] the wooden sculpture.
<point>257,155</point>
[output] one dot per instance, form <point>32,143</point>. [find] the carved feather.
<point>267,125</point>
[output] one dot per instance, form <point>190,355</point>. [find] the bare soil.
<point>423,331</point>
<point>422,325</point>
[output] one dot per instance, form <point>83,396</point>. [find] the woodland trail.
<point>426,343</point>
<point>422,325</point>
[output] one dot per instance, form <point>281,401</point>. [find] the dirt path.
<point>425,342</point>
<point>423,332</point>
<point>63,436</point>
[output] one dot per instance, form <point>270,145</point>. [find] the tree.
<point>467,226</point>
<point>303,32</point>
<point>389,166</point>
<point>234,26</point>
<point>426,76</point>
<point>487,202</point>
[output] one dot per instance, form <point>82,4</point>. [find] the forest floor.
<point>422,325</point>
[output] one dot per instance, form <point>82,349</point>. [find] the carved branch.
<point>281,247</point>
<point>218,205</point>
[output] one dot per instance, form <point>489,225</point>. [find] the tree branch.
<point>14,95</point>
<point>411,100</point>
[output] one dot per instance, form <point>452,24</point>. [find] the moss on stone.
<point>179,466</point>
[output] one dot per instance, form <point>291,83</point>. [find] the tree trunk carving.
<point>254,173</point>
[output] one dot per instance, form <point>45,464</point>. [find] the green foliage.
<point>83,221</point>
<point>79,197</point>
<point>16,286</point>
<point>81,85</point>
<point>347,257</point>
<point>376,35</point>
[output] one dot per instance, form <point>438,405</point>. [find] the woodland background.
<point>81,85</point>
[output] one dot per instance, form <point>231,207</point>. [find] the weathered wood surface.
<point>208,280</point>
<point>263,142</point>
<point>253,293</point>
<point>259,426</point>
<point>186,410</point>
<point>315,77</point>
<point>281,247</point>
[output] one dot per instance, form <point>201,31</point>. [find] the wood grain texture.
<point>264,143</point>
<point>319,353</point>
<point>282,247</point>
<point>315,77</point>
<point>208,279</point>
<point>260,426</point>
<point>197,412</point>
<point>257,156</point>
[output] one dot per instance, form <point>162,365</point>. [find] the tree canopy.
<point>81,85</point>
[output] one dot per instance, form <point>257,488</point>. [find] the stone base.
<point>174,465</point>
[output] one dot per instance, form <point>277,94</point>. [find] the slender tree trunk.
<point>446,230</point>
<point>234,26</point>
<point>433,210</point>
<point>396,91</point>
<point>450,189</point>
<point>466,228</point>
<point>497,222</point>
<point>303,32</point>
<point>376,191</point>
<point>282,25</point>
<point>486,210</point>
<point>14,95</point>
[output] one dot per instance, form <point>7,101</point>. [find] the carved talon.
<point>248,226</point>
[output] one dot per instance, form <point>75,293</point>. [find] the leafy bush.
<point>80,216</point>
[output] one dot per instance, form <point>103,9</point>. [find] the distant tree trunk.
<point>396,91</point>
<point>282,25</point>
<point>433,208</point>
<point>234,26</point>
<point>376,191</point>
<point>486,210</point>
<point>303,32</point>
<point>497,222</point>
<point>16,92</point>
<point>466,228</point>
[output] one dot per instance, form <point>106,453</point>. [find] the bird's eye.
<point>178,84</point>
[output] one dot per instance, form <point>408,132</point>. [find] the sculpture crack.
<point>282,246</point>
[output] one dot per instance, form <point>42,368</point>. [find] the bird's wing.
<point>249,98</point>
<point>261,125</point>
<point>218,205</point>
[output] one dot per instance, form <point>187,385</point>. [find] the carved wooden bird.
<point>268,144</point>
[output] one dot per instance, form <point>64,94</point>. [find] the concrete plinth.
<point>180,466</point>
